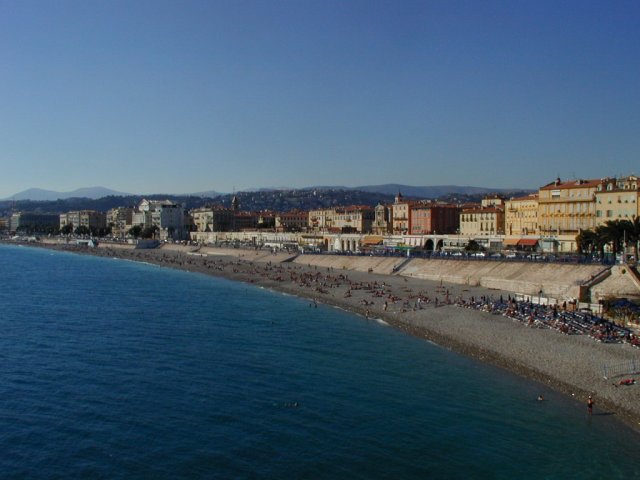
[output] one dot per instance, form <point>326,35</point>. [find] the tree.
<point>67,229</point>
<point>633,235</point>
<point>149,232</point>
<point>473,246</point>
<point>135,231</point>
<point>82,230</point>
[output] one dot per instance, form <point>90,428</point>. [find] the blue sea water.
<point>114,369</point>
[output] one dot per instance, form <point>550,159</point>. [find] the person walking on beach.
<point>590,405</point>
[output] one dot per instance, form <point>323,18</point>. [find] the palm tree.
<point>633,235</point>
<point>610,233</point>
<point>586,241</point>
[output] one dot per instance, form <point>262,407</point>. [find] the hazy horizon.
<point>229,96</point>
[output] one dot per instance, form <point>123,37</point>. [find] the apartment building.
<point>213,219</point>
<point>521,215</point>
<point>353,219</point>
<point>617,199</point>
<point>430,218</point>
<point>89,219</point>
<point>120,220</point>
<point>293,221</point>
<point>566,208</point>
<point>166,215</point>
<point>482,221</point>
<point>33,222</point>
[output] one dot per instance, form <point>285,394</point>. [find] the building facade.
<point>566,208</point>
<point>29,222</point>
<point>293,221</point>
<point>382,221</point>
<point>521,216</point>
<point>166,215</point>
<point>427,219</point>
<point>482,221</point>
<point>401,215</point>
<point>120,220</point>
<point>212,219</point>
<point>353,219</point>
<point>89,219</point>
<point>617,199</point>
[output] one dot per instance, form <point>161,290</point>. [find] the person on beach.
<point>590,405</point>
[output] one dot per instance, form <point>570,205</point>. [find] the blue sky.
<point>185,96</point>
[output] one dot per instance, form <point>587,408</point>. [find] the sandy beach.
<point>571,364</point>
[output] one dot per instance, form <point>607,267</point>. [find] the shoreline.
<point>569,364</point>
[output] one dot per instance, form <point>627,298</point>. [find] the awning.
<point>528,242</point>
<point>372,240</point>
<point>510,242</point>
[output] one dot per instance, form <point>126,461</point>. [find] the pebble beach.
<point>571,364</point>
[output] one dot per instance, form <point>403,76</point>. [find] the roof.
<point>483,210</point>
<point>579,183</point>
<point>531,196</point>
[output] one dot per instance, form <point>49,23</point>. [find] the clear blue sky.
<point>185,96</point>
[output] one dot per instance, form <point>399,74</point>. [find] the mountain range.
<point>434,191</point>
<point>39,194</point>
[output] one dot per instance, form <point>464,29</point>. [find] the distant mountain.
<point>435,191</point>
<point>39,194</point>
<point>207,194</point>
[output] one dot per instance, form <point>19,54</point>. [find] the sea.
<point>115,369</point>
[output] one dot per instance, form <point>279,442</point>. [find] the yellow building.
<point>521,216</point>
<point>482,221</point>
<point>617,199</point>
<point>566,208</point>
<point>353,219</point>
<point>401,215</point>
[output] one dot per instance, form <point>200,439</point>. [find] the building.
<point>382,220</point>
<point>353,219</point>
<point>401,215</point>
<point>566,208</point>
<point>166,215</point>
<point>245,221</point>
<point>293,221</point>
<point>521,216</point>
<point>120,220</point>
<point>213,219</point>
<point>28,222</point>
<point>91,220</point>
<point>266,220</point>
<point>617,199</point>
<point>431,218</point>
<point>493,201</point>
<point>482,221</point>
